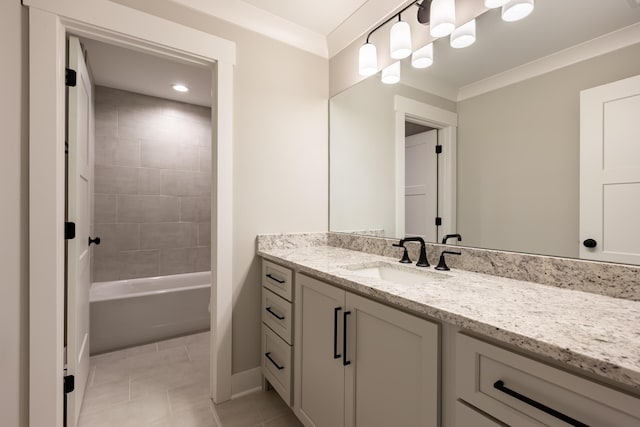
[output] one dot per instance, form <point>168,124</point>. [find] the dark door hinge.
<point>69,77</point>
<point>69,383</point>
<point>69,230</point>
<point>438,149</point>
<point>438,221</point>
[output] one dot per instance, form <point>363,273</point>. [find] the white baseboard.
<point>246,382</point>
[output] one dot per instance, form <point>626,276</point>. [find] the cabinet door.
<point>392,379</point>
<point>319,376</point>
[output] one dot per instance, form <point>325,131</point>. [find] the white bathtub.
<point>126,313</point>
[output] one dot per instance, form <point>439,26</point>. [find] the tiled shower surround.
<point>152,205</point>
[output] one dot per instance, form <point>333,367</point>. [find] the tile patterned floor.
<point>166,384</point>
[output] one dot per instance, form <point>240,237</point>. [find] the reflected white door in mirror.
<point>610,172</point>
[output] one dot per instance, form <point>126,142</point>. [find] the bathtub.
<point>126,313</point>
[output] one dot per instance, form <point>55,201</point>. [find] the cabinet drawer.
<point>276,363</point>
<point>276,313</point>
<point>499,382</point>
<point>277,279</point>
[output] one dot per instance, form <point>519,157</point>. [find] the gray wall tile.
<point>145,209</point>
<point>104,208</point>
<point>136,264</point>
<point>116,180</point>
<point>196,209</point>
<point>149,153</point>
<point>168,235</point>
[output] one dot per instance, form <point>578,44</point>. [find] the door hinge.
<point>438,221</point>
<point>69,230</point>
<point>69,77</point>
<point>438,149</point>
<point>69,383</point>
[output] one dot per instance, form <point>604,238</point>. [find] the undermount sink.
<point>396,273</point>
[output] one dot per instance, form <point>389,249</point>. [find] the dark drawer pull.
<point>274,362</point>
<point>275,278</point>
<point>277,316</point>
<point>499,385</point>
<point>335,333</point>
<point>345,362</point>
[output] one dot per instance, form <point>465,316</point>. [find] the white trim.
<point>447,122</point>
<point>599,46</point>
<point>49,20</point>
<point>255,19</point>
<point>246,382</point>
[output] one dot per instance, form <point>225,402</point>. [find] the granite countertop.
<point>595,333</point>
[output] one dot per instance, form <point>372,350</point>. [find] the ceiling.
<point>326,27</point>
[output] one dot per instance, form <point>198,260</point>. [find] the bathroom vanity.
<point>357,339</point>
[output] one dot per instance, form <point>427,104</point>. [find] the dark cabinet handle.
<point>335,333</point>
<point>95,241</point>
<point>275,278</point>
<point>277,316</point>
<point>499,385</point>
<point>345,362</point>
<point>273,361</point>
<point>590,243</point>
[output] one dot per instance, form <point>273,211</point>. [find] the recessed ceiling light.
<point>180,88</point>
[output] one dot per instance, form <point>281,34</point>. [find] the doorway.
<point>49,22</point>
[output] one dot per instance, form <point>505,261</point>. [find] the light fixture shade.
<point>515,10</point>
<point>391,74</point>
<point>443,17</point>
<point>464,35</point>
<point>368,60</point>
<point>400,41</point>
<point>492,4</point>
<point>423,57</point>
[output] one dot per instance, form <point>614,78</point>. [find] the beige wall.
<point>518,158</point>
<point>280,155</point>
<point>14,215</point>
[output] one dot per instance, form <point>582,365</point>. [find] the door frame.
<point>49,22</point>
<point>447,124</point>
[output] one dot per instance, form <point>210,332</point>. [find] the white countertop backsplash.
<point>589,331</point>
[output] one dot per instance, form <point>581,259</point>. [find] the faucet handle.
<point>442,265</point>
<point>405,256</point>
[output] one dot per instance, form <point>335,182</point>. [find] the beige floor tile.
<point>197,416</point>
<point>142,349</point>
<point>118,370</point>
<point>174,342</point>
<point>149,361</point>
<point>288,420</point>
<point>163,378</point>
<point>241,412</point>
<point>271,405</point>
<point>136,413</point>
<point>186,397</point>
<point>195,338</point>
<point>105,395</point>
<point>198,350</point>
<point>107,358</point>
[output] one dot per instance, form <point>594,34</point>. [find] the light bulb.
<point>515,10</point>
<point>400,40</point>
<point>464,35</point>
<point>368,60</point>
<point>391,74</point>
<point>423,57</point>
<point>443,17</point>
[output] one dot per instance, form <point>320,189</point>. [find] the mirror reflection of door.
<point>421,181</point>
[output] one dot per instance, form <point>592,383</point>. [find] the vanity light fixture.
<point>400,39</point>
<point>464,35</point>
<point>515,10</point>
<point>423,57</point>
<point>180,88</point>
<point>492,4</point>
<point>443,17</point>
<point>391,74</point>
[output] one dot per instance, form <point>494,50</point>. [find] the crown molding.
<point>255,19</point>
<point>599,46</point>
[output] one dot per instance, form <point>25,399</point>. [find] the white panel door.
<point>319,370</point>
<point>391,377</point>
<point>610,172</point>
<point>421,185</point>
<point>80,125</point>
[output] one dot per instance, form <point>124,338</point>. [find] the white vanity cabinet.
<point>361,363</point>
<point>277,327</point>
<point>520,391</point>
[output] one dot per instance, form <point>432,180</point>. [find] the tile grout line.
<point>188,354</point>
<point>169,401</point>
